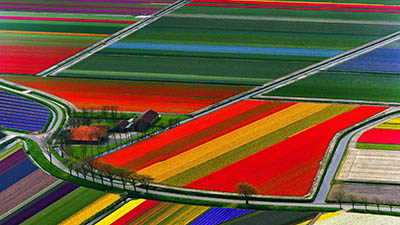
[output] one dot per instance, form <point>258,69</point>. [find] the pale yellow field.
<point>370,165</point>
<point>120,212</point>
<point>200,154</point>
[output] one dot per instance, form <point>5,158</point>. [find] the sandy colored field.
<point>385,192</point>
<point>198,155</point>
<point>370,166</point>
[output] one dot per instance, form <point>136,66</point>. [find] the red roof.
<point>89,133</point>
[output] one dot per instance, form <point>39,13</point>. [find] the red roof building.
<point>92,133</point>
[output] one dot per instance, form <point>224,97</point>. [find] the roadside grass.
<point>378,146</point>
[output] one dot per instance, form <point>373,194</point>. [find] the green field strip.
<point>289,13</point>
<point>164,77</point>
<point>210,55</point>
<point>378,146</point>
<point>253,147</point>
<point>350,86</point>
<point>49,40</point>
<point>66,206</point>
<point>69,15</point>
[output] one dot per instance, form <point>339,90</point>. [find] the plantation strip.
<point>43,202</point>
<point>253,147</point>
<point>388,126</point>
<point>378,146</point>
<point>65,207</point>
<point>295,160</point>
<point>212,149</point>
<point>24,189</point>
<point>136,212</point>
<point>110,219</point>
<point>381,136</point>
<point>241,119</point>
<point>51,33</point>
<point>124,156</point>
<point>12,160</point>
<point>184,215</point>
<point>91,209</point>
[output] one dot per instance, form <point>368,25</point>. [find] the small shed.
<point>89,134</point>
<point>146,120</point>
<point>121,126</point>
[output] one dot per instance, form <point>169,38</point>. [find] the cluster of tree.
<point>341,197</point>
<point>102,170</point>
<point>106,112</point>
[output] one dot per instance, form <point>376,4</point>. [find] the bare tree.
<point>109,171</point>
<point>377,202</point>
<point>246,191</point>
<point>339,196</point>
<point>353,198</point>
<point>123,174</point>
<point>97,166</point>
<point>133,178</point>
<point>365,200</point>
<point>88,165</point>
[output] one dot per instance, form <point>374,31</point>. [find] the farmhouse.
<point>146,120</point>
<point>89,134</point>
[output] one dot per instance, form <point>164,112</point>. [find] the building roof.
<point>89,133</point>
<point>149,116</point>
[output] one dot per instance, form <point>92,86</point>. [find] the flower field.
<point>204,154</point>
<point>381,136</point>
<point>223,41</point>
<point>17,113</point>
<point>61,29</point>
<point>142,211</point>
<point>89,7</point>
<point>372,76</point>
<point>133,95</point>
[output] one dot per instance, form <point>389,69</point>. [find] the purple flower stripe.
<point>11,161</point>
<point>81,6</point>
<point>23,111</point>
<point>2,93</point>
<point>16,173</point>
<point>220,215</point>
<point>34,106</point>
<point>42,203</point>
<point>118,1</point>
<point>77,10</point>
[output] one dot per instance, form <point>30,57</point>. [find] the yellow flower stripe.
<point>214,148</point>
<point>91,209</point>
<point>397,120</point>
<point>188,215</point>
<point>120,212</point>
<point>389,126</point>
<point>326,216</point>
<point>305,222</point>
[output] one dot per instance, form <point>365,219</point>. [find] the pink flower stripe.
<point>64,19</point>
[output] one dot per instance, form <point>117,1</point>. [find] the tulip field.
<point>133,96</point>
<point>22,114</point>
<point>373,76</point>
<point>216,63</point>
<point>216,153</point>
<point>237,42</point>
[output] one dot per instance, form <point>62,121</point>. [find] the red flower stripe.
<point>152,144</point>
<point>13,59</point>
<point>133,95</point>
<point>381,136</point>
<point>303,4</point>
<point>136,212</point>
<point>207,134</point>
<point>288,167</point>
<point>299,8</point>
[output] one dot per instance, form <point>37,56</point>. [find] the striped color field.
<point>242,139</point>
<point>133,96</point>
<point>238,42</point>
<point>20,113</point>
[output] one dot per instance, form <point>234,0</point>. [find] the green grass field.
<point>349,86</point>
<point>378,146</point>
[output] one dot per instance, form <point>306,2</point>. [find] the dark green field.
<point>350,86</point>
<point>219,67</point>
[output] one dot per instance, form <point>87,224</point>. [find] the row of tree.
<point>103,170</point>
<point>341,197</point>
